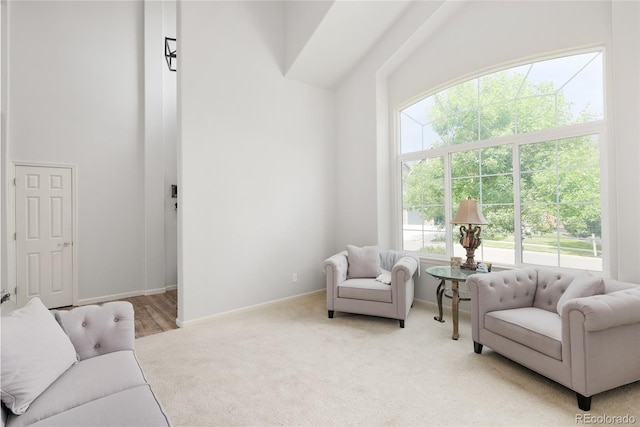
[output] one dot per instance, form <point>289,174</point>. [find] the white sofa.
<point>578,330</point>
<point>103,386</point>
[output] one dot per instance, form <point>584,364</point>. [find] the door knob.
<point>64,245</point>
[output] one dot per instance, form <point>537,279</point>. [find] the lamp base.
<point>470,263</point>
<point>470,240</point>
<point>469,266</point>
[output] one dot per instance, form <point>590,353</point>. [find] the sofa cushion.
<point>363,262</point>
<point>365,289</point>
<point>538,329</point>
<point>89,380</point>
<point>584,285</point>
<point>35,352</point>
<point>133,407</point>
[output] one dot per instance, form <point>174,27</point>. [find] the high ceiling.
<point>326,39</point>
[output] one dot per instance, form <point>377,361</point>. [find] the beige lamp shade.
<point>469,212</point>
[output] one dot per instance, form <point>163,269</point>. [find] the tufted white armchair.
<point>585,337</point>
<point>366,295</point>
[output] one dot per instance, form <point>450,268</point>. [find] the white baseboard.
<point>188,323</point>
<point>160,290</point>
<point>115,297</point>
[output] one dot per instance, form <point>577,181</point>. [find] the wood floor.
<point>155,313</point>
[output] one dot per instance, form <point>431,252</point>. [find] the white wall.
<point>4,282</point>
<point>160,150</point>
<point>480,35</point>
<point>170,138</point>
<point>90,87</point>
<point>624,156</point>
<point>363,138</point>
<point>75,73</point>
<point>154,188</point>
<point>257,162</point>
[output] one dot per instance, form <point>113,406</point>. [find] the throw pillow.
<point>35,352</point>
<point>363,262</point>
<point>584,285</point>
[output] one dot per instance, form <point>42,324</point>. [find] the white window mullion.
<point>398,189</point>
<point>517,205</point>
<point>478,111</point>
<point>558,219</point>
<point>422,242</point>
<point>448,208</point>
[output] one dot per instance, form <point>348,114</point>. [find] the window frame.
<point>596,127</point>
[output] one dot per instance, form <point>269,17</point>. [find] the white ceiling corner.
<point>344,31</point>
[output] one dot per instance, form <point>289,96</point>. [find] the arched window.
<point>524,142</point>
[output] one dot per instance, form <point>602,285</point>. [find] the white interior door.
<point>44,235</point>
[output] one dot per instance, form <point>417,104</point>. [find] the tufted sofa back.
<point>551,286</point>
<point>507,289</point>
<point>534,287</point>
<point>96,330</point>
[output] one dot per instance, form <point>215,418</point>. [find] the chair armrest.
<point>402,284</point>
<point>335,269</point>
<point>606,311</point>
<point>403,270</point>
<point>100,329</point>
<point>502,290</point>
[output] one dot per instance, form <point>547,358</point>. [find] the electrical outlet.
<point>294,278</point>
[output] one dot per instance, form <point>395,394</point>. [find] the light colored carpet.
<point>288,364</point>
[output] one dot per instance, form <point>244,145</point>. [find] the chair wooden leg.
<point>477,347</point>
<point>401,323</point>
<point>584,402</point>
<point>330,314</point>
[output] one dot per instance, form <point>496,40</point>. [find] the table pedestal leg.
<point>455,300</point>
<point>439,293</point>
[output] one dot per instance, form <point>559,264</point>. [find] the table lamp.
<point>469,213</point>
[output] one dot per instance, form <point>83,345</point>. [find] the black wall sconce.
<point>169,53</point>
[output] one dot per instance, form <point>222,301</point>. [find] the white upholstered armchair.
<point>372,282</point>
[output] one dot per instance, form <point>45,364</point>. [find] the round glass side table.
<point>455,276</point>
